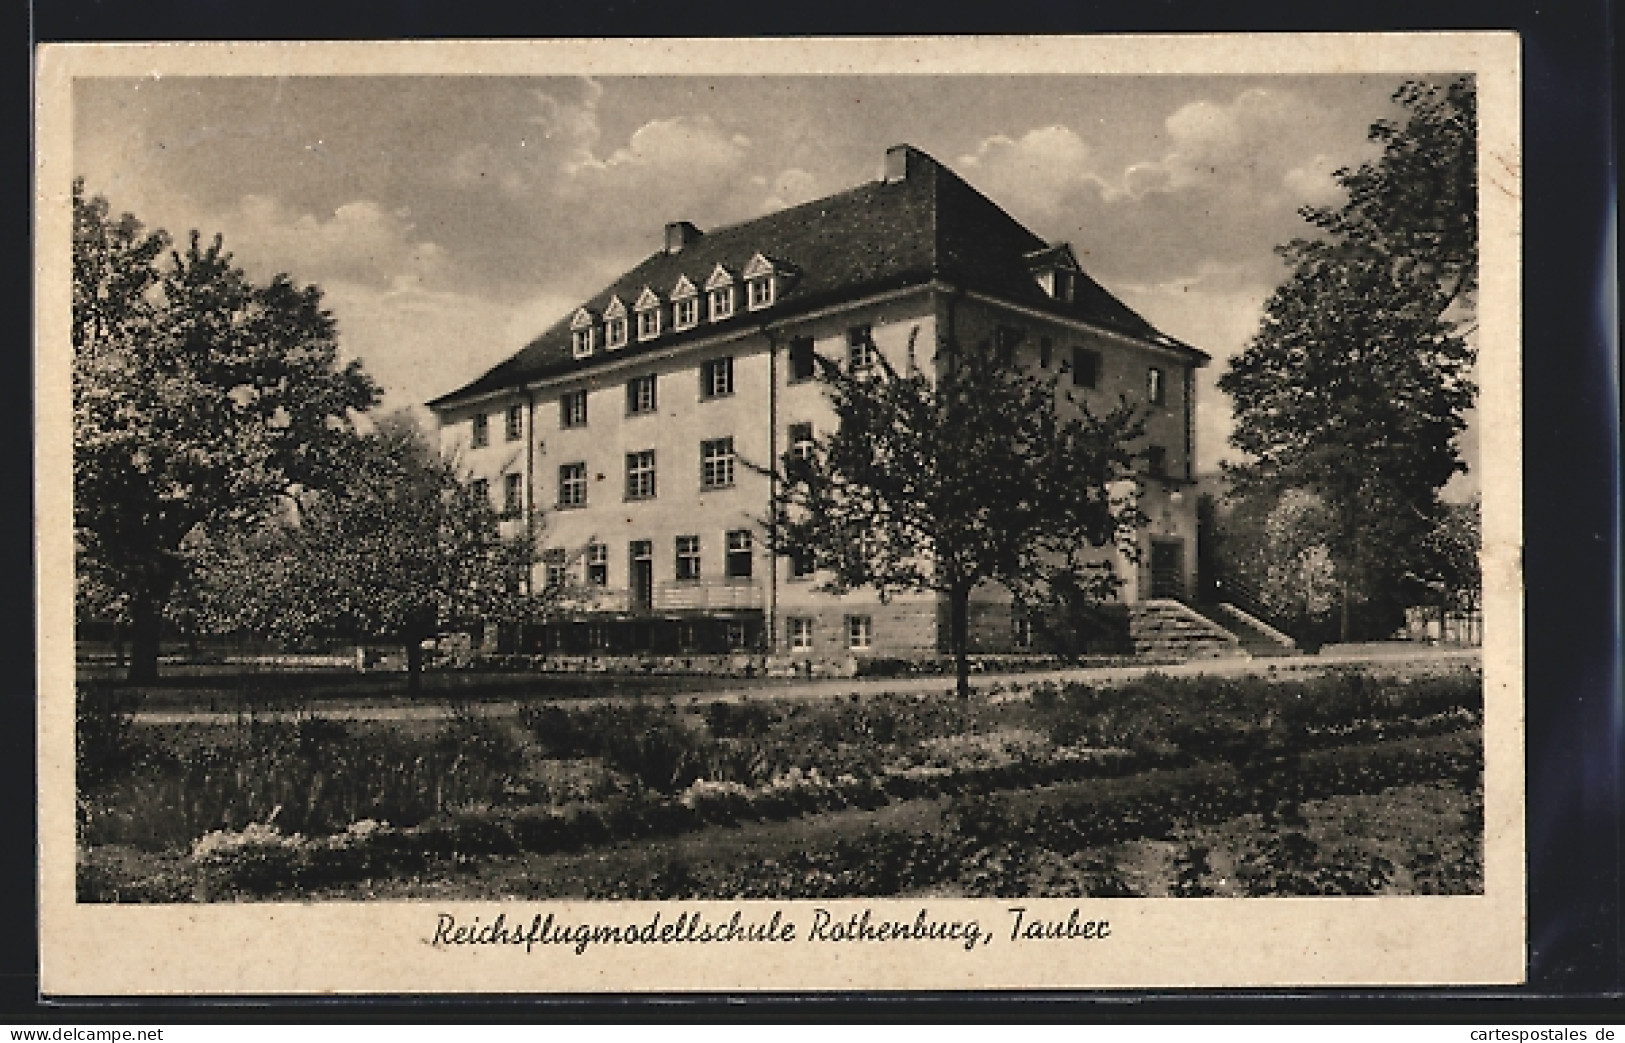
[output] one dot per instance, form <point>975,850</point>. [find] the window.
<point>1046,351</point>
<point>581,342</point>
<point>801,441</point>
<point>736,634</point>
<point>640,395</point>
<point>516,423</point>
<point>1156,390</point>
<point>1065,287</point>
<point>1085,368</point>
<point>685,313</point>
<point>759,293</point>
<point>860,350</point>
<point>597,565</point>
<point>553,560</point>
<point>513,493</point>
<point>1021,631</point>
<point>859,631</point>
<point>1156,461</point>
<point>481,490</point>
<point>800,629</point>
<point>717,377</point>
<point>688,558</point>
<point>573,485</point>
<point>801,359</point>
<point>615,332</point>
<point>739,554</point>
<point>573,409</point>
<point>802,564</point>
<point>640,475</point>
<point>716,463</point>
<point>721,301</point>
<point>649,323</point>
<point>480,434</point>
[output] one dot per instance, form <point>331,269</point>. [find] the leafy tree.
<point>964,473</point>
<point>199,398</point>
<point>1355,387</point>
<point>402,549</point>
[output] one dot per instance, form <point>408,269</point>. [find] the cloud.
<point>791,188</point>
<point>1035,173</point>
<point>359,241</point>
<point>1222,185</point>
<point>420,343</point>
<point>1312,182</point>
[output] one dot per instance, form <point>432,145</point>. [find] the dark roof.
<point>878,236</point>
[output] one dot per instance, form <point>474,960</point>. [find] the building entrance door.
<point>643,575</point>
<point>1167,568</point>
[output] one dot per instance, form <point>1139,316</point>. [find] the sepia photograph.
<point>785,500</point>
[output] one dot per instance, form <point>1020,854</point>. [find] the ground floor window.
<point>688,557</point>
<point>553,561</point>
<point>739,553</point>
<point>859,631</point>
<point>800,630</point>
<point>737,636</point>
<point>1021,631</point>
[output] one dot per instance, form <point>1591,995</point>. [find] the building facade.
<point>637,428</point>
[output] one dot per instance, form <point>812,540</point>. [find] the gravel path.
<point>1378,656</point>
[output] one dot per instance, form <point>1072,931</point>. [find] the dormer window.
<point>761,283</point>
<point>719,294</point>
<point>582,329</point>
<point>685,305</point>
<point>615,324</point>
<point>648,309</point>
<point>1056,269</point>
<point>721,303</point>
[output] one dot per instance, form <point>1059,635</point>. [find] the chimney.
<point>906,161</point>
<point>680,234</point>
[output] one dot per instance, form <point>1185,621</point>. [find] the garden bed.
<point>1011,783</point>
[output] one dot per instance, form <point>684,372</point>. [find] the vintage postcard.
<point>730,515</point>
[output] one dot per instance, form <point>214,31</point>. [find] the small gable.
<point>684,288</point>
<point>583,319</point>
<point>647,300</point>
<point>720,277</point>
<point>616,309</point>
<point>760,266</point>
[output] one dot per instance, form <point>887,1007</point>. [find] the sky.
<point>450,219</point>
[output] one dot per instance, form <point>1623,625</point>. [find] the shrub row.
<point>1073,817</point>
<point>309,776</point>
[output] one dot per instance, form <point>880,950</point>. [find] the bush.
<point>739,720</point>
<point>104,748</point>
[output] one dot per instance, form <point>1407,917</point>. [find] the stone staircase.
<point>1258,638</point>
<point>1167,629</point>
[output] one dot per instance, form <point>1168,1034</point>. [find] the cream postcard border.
<point>359,947</point>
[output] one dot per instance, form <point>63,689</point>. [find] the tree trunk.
<point>1344,627</point>
<point>146,628</point>
<point>958,637</point>
<point>414,664</point>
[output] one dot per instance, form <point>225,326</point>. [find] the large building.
<point>630,425</point>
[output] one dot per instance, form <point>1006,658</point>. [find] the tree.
<point>1355,387</point>
<point>402,549</point>
<point>199,398</point>
<point>943,481</point>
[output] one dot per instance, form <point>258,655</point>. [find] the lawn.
<point>1344,783</point>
